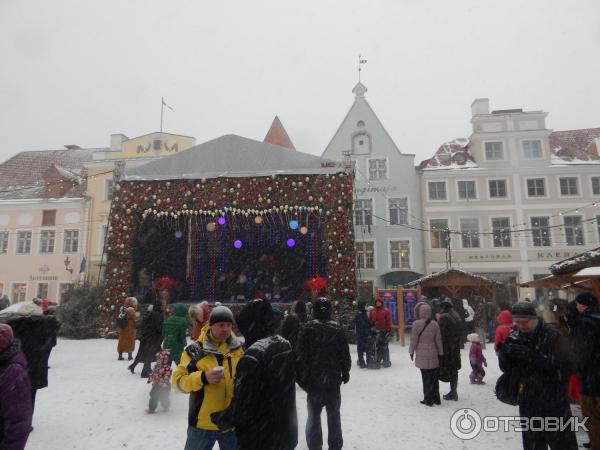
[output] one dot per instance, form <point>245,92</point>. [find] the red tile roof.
<point>576,144</point>
<point>452,154</point>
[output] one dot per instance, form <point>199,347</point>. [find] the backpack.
<point>122,319</point>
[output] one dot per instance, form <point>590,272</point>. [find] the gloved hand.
<point>412,356</point>
<point>345,377</point>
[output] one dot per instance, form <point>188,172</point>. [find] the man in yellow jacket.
<point>206,371</point>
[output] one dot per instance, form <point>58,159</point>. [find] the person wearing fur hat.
<point>538,357</point>
<point>293,323</point>
<point>126,343</point>
<point>263,409</point>
<point>206,371</point>
<point>323,364</point>
<point>476,359</point>
<point>586,338</point>
<point>15,393</point>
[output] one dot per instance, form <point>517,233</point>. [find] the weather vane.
<point>360,63</point>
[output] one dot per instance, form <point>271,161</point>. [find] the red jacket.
<point>505,324</point>
<point>382,317</point>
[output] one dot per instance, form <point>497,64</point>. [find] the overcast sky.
<point>74,72</point>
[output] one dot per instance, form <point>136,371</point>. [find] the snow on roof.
<point>453,154</point>
<point>577,262</point>
<point>451,271</point>
<point>575,146</point>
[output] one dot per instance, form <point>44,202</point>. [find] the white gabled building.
<point>515,196</point>
<point>387,205</point>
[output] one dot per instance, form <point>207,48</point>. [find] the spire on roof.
<point>278,136</point>
<point>359,90</point>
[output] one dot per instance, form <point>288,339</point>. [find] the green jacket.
<point>174,333</point>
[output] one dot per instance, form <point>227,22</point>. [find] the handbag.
<point>509,388</point>
<point>445,374</point>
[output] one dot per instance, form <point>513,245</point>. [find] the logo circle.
<point>465,424</point>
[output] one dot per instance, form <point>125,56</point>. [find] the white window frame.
<point>354,209</point>
<point>387,169</point>
<point>489,192</point>
<point>578,186</point>
<point>510,237</point>
<point>12,289</point>
<point>389,212</point>
<point>448,225</point>
<point>374,254</point>
<point>429,199</point>
<point>410,256</point>
<point>478,237</point>
<point>574,232</point>
<point>37,289</point>
<point>2,247</point>
<point>485,156</point>
<point>545,187</point>
<point>64,243</point>
<point>537,158</point>
<point>592,177</point>
<point>40,252</point>
<point>531,226</point>
<point>468,199</point>
<point>17,253</point>
<point>109,189</point>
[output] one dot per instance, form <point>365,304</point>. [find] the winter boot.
<point>130,357</point>
<point>451,396</point>
<point>121,357</point>
<point>361,363</point>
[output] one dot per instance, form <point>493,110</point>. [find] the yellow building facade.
<point>105,167</point>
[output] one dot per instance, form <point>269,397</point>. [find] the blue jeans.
<point>199,439</point>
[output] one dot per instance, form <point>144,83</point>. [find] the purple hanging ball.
<point>237,243</point>
<point>291,242</point>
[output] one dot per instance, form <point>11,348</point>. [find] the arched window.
<point>361,144</point>
<point>360,123</point>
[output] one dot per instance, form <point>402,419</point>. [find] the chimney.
<point>116,141</point>
<point>480,106</point>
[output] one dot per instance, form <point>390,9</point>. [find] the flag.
<point>82,265</point>
<point>165,104</point>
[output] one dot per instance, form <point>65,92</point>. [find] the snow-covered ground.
<point>94,402</point>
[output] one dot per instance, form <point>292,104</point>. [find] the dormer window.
<point>459,157</point>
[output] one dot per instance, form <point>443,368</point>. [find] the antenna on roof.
<point>162,105</point>
<point>360,63</point>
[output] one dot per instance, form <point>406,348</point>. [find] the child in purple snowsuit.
<point>161,382</point>
<point>477,360</point>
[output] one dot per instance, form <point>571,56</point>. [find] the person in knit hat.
<point>476,359</point>
<point>161,382</point>
<point>15,393</point>
<point>206,371</point>
<point>586,337</point>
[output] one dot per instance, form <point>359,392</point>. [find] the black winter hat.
<point>256,320</point>
<point>220,314</point>
<point>587,299</point>
<point>446,304</point>
<point>322,309</point>
<point>523,310</point>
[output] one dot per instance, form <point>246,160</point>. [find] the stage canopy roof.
<point>233,156</point>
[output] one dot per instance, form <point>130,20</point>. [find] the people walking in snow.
<point>263,409</point>
<point>476,359</point>
<point>127,317</point>
<point>150,338</point>
<point>364,338</point>
<point>480,319</point>
<point>323,364</point>
<point>426,344</point>
<point>161,382</point>
<point>206,371</point>
<point>538,357</point>
<point>15,393</point>
<point>505,325</point>
<point>293,323</point>
<point>586,337</point>
<point>174,333</point>
<point>451,330</point>
<point>382,318</point>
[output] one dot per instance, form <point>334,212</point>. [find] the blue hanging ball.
<point>293,224</point>
<point>178,234</point>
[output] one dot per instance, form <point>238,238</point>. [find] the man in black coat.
<point>586,337</point>
<point>263,409</point>
<point>451,330</point>
<point>539,356</point>
<point>323,364</point>
<point>150,339</point>
<point>364,344</point>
